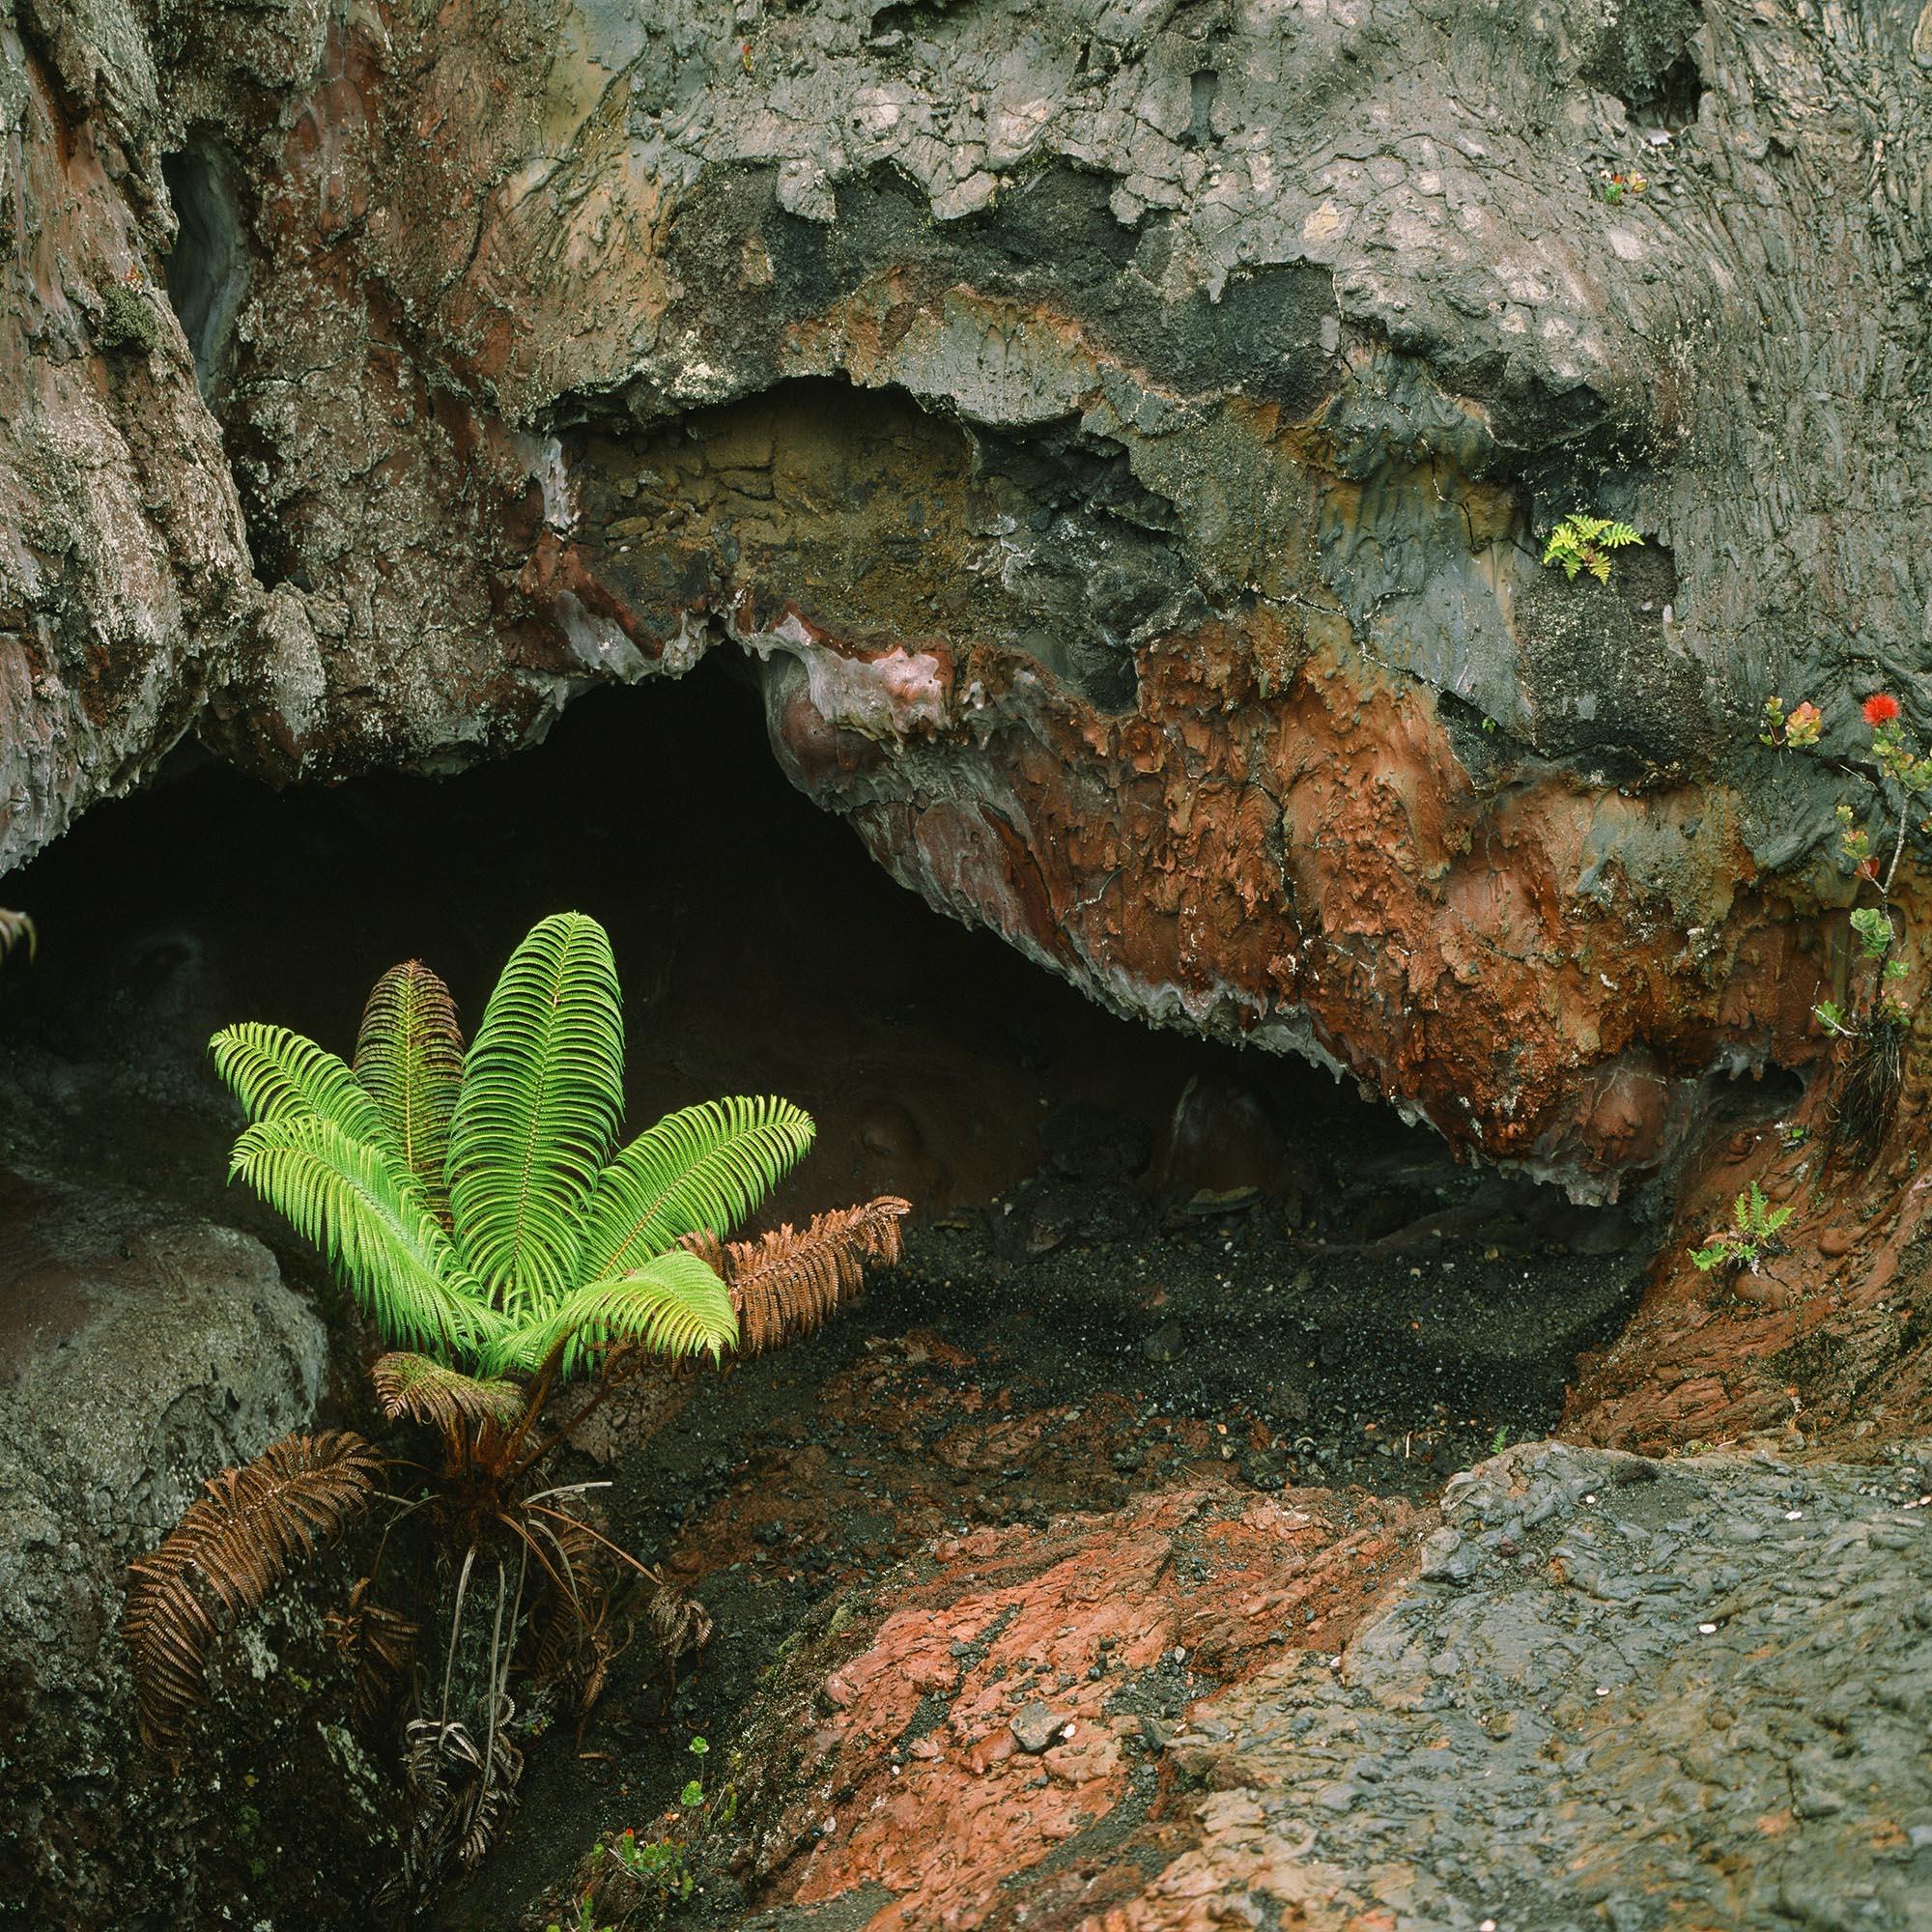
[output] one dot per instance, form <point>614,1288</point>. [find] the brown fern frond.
<point>17,929</point>
<point>233,1547</point>
<point>786,1284</point>
<point>679,1622</point>
<point>458,1797</point>
<point>380,1642</point>
<point>424,1391</point>
<point>577,1641</point>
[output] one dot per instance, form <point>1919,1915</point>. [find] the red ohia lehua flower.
<point>1880,709</point>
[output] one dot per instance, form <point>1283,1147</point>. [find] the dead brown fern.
<point>460,1795</point>
<point>1864,1102</point>
<point>424,1391</point>
<point>234,1544</point>
<point>680,1623</point>
<point>786,1283</point>
<point>381,1644</point>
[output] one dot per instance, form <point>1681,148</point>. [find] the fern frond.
<point>235,1543</point>
<point>702,1167</point>
<point>17,929</point>
<point>673,1305</point>
<point>542,1097</point>
<point>1584,543</point>
<point>409,1057</point>
<point>680,1623</point>
<point>278,1075</point>
<point>424,1391</point>
<point>787,1283</point>
<point>352,1199</point>
<point>381,1644</point>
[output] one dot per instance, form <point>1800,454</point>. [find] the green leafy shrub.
<point>658,1870</point>
<point>1582,542</point>
<point>1896,800</point>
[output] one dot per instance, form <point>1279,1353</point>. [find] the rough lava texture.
<point>1598,1691</point>
<point>139,1353</point>
<point>1123,430</point>
<point>1829,1340</point>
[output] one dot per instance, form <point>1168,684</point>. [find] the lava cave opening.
<point>1139,1259</point>
<point>761,951</point>
<point>1237,1226</point>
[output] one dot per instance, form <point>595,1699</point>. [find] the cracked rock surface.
<point>1123,431</point>
<point>1611,1692</point>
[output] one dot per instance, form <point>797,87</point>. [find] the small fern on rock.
<point>1584,543</point>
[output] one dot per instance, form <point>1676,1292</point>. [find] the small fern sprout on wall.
<point>1583,542</point>
<point>1751,1238</point>
<point>17,929</point>
<point>475,1201</point>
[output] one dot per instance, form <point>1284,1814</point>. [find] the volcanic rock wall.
<point>1123,431</point>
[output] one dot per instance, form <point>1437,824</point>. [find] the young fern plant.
<point>1753,1237</point>
<point>1581,543</point>
<point>477,1205</point>
<point>475,1202</point>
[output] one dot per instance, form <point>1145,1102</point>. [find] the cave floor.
<point>981,1385</point>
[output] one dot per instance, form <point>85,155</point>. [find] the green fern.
<point>673,1305</point>
<point>408,1055</point>
<point>352,1199</point>
<point>1584,543</point>
<point>472,1200</point>
<point>674,1179</point>
<point>542,1097</point>
<point>1751,1237</point>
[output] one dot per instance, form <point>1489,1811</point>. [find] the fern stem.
<point>1897,853</point>
<point>539,1394</point>
<point>578,1523</point>
<point>567,1582</point>
<point>607,1383</point>
<point>496,1655</point>
<point>455,1631</point>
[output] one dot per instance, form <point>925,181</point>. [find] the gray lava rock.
<point>1621,1693</point>
<point>1036,1728</point>
<point>1166,1343</point>
<point>139,1353</point>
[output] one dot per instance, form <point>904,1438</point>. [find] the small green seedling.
<point>656,1863</point>
<point>1585,543</point>
<point>1751,1238</point>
